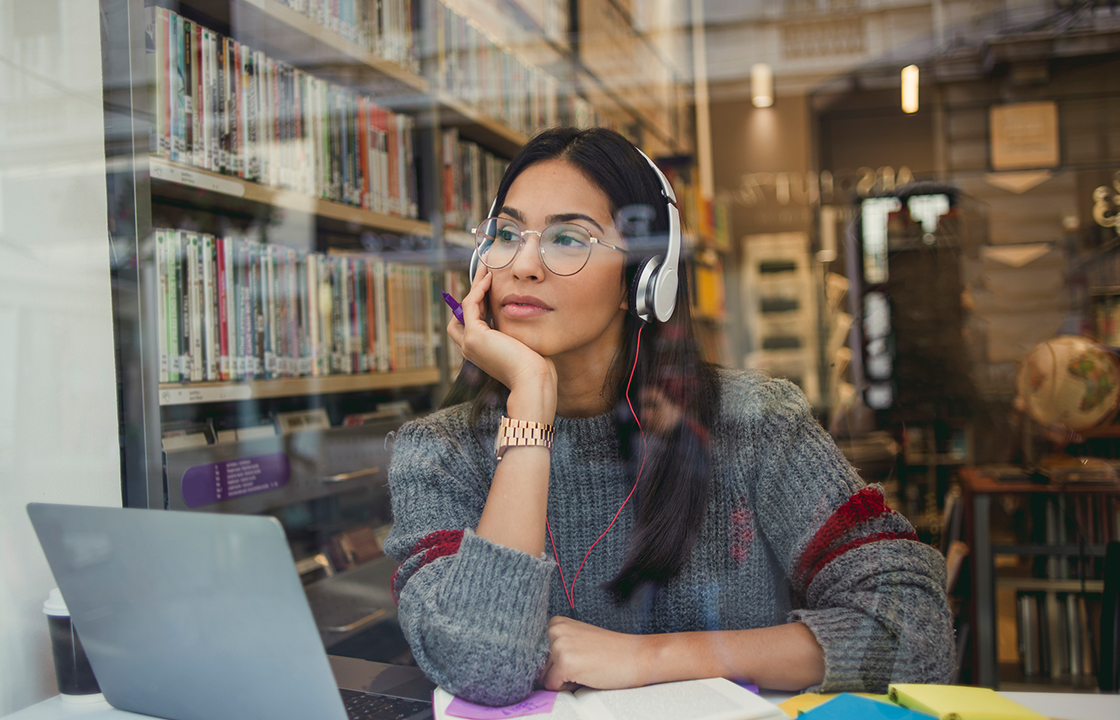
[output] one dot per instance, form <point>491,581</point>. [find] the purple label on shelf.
<point>214,482</point>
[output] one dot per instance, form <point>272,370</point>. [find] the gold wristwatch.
<point>522,433</point>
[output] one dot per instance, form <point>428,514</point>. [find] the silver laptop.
<point>197,616</point>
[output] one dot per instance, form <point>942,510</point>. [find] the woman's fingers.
<point>588,655</point>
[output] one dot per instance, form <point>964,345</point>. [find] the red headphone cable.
<point>571,594</point>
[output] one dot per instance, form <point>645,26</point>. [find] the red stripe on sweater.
<point>890,535</point>
<point>430,547</point>
<point>865,505</point>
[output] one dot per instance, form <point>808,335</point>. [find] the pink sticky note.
<point>538,703</point>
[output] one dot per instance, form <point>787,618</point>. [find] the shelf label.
<point>196,179</point>
<point>192,395</point>
<point>214,482</point>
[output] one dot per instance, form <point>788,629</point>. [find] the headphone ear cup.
<point>640,296</point>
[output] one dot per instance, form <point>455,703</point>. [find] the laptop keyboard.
<point>364,706</point>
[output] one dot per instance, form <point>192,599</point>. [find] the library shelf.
<point>979,490</point>
<point>206,392</point>
<point>1026,584</point>
<point>182,176</point>
<point>289,35</point>
<point>475,125</point>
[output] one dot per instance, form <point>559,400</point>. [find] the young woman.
<point>651,518</point>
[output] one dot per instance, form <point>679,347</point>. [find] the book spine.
<point>171,256</point>
<point>198,358</point>
<point>209,341</point>
<point>381,306</point>
<point>363,150</point>
<point>189,71</point>
<point>429,339</point>
<point>238,95</point>
<point>161,302</point>
<point>393,313</point>
<point>222,104</point>
<point>259,308</point>
<point>311,268</point>
<point>251,101</point>
<point>370,321</point>
<point>225,296</point>
<point>291,280</point>
<point>337,342</point>
<point>205,109</point>
<point>264,118</point>
<point>186,366</point>
<point>326,314</point>
<point>276,123</point>
<point>214,96</point>
<point>174,50</point>
<point>161,145</point>
<point>245,305</point>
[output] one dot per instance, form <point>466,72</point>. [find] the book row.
<point>224,107</point>
<point>478,70</point>
<point>1075,519</point>
<point>471,177</point>
<point>230,309</point>
<point>384,27</point>
<point>1057,634</point>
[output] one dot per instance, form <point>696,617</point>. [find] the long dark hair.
<point>672,497</point>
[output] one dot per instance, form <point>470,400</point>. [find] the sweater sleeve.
<point>871,593</point>
<point>473,612</point>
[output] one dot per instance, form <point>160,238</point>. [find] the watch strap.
<point>522,433</point>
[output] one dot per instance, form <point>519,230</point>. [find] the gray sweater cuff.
<point>476,620</point>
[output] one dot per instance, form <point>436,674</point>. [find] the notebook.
<point>196,616</point>
<point>848,706</point>
<point>951,702</point>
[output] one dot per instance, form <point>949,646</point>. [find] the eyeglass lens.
<point>564,247</point>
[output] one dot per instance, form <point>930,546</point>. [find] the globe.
<point>1070,381</point>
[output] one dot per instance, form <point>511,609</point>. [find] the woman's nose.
<point>527,264</point>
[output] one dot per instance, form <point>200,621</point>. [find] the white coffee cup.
<point>76,683</point>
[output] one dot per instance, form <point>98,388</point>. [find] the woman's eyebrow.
<point>565,217</point>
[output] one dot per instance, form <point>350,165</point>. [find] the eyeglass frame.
<point>540,252</point>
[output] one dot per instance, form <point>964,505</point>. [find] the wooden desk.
<point>980,488</point>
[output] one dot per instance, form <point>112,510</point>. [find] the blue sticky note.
<point>846,705</point>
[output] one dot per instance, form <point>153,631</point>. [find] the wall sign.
<point>214,482</point>
<point>810,188</point>
<point>1024,135</point>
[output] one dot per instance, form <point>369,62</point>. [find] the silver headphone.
<point>654,292</point>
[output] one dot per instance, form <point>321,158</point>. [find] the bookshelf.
<point>332,146</point>
<point>1045,552</point>
<point>208,392</point>
<point>186,184</point>
<point>310,160</point>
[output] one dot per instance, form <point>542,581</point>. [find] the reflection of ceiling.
<point>810,42</point>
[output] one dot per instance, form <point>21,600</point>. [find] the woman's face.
<point>578,317</point>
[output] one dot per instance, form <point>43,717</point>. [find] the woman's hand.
<point>582,654</point>
<point>530,377</point>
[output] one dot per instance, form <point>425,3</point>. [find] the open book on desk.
<point>712,699</point>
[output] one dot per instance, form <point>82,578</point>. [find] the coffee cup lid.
<point>55,605</point>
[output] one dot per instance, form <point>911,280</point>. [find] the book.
<point>848,706</point>
<point>711,699</point>
<point>950,702</point>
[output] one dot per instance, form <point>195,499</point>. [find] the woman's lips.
<point>521,307</point>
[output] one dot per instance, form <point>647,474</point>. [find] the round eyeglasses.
<point>564,247</point>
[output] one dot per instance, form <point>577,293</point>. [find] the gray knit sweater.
<point>790,534</point>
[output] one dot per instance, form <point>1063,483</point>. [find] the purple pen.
<point>456,308</point>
